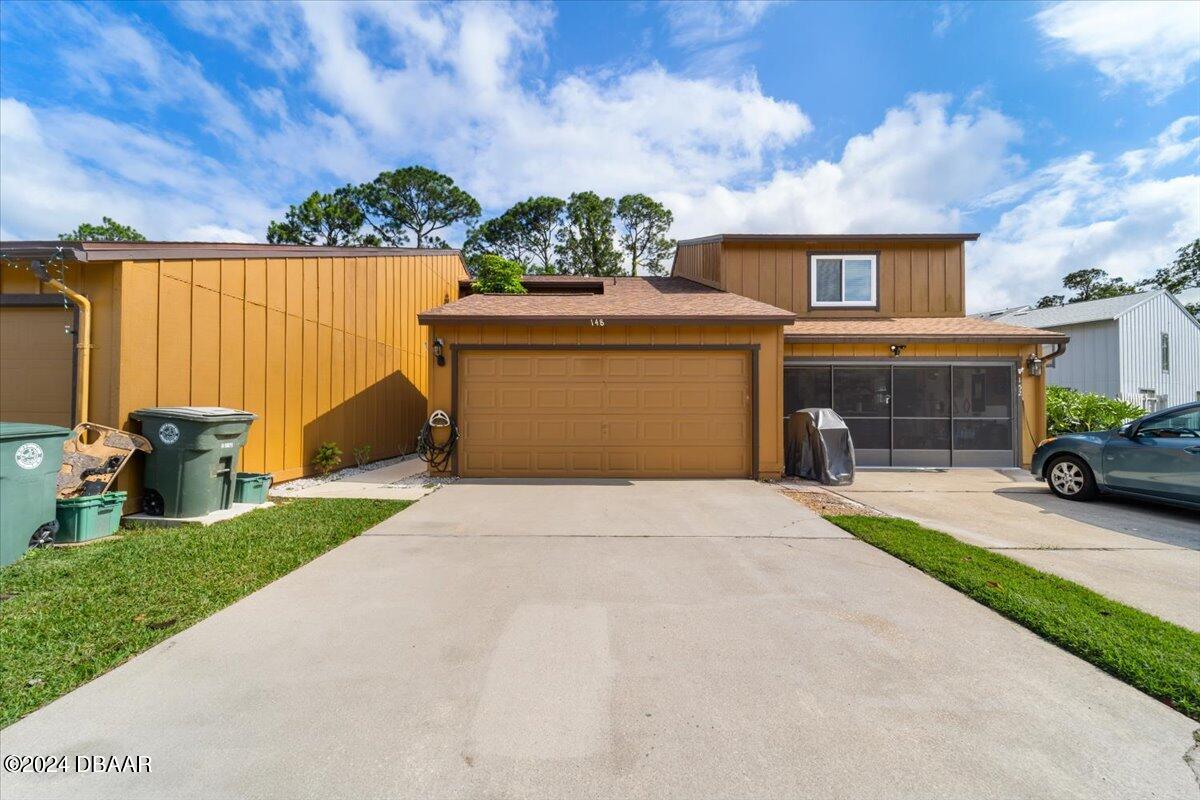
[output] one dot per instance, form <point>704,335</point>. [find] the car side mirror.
<point>1127,430</point>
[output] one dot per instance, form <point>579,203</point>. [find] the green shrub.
<point>328,457</point>
<point>1069,411</point>
<point>496,275</point>
<point>362,454</point>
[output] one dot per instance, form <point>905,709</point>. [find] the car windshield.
<point>1184,423</point>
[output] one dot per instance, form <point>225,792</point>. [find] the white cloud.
<point>128,62</point>
<point>61,168</point>
<point>371,86</point>
<point>947,16</point>
<point>916,171</point>
<point>1156,44</point>
<point>693,23</point>
<point>1079,213</point>
<point>1172,145</point>
<point>266,32</point>
<point>716,36</point>
<point>503,138</point>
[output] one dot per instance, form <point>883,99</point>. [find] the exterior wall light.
<point>438,348</point>
<point>897,349</point>
<point>1035,366</point>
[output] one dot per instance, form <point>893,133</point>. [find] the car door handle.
<point>1193,450</point>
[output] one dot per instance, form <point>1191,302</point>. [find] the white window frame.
<point>843,257</point>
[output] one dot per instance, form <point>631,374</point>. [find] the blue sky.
<point>1068,134</point>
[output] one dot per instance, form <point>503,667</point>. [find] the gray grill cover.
<point>817,446</point>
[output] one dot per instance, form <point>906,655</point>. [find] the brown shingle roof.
<point>914,329</point>
<point>623,299</point>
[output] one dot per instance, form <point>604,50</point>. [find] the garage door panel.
<point>550,399</point>
<point>729,368</point>
<point>585,431</point>
<point>694,399</point>
<point>623,367</point>
<point>478,399</point>
<point>513,367</point>
<point>590,366</point>
<point>583,400</point>
<point>550,461</point>
<point>621,398</point>
<point>657,399</point>
<point>627,414</point>
<point>551,367</point>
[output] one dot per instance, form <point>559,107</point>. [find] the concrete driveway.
<point>609,639</point>
<point>1142,554</point>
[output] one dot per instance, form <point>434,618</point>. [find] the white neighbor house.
<point>1143,347</point>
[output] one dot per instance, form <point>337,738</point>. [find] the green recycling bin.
<point>194,464</point>
<point>81,519</point>
<point>30,456</point>
<point>252,487</point>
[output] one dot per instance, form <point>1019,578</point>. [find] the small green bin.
<point>30,457</point>
<point>193,467</point>
<point>252,487</point>
<point>81,519</point>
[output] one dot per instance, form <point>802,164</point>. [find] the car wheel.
<point>1071,479</point>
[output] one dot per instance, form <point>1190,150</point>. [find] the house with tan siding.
<point>321,343</point>
<point>694,374</point>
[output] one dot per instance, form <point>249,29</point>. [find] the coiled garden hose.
<point>437,456</point>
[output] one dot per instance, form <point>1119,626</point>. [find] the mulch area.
<point>827,503</point>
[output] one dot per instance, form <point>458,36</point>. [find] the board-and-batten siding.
<point>701,262</point>
<point>1091,362</point>
<point>321,349</point>
<point>1141,365</point>
<point>922,279</point>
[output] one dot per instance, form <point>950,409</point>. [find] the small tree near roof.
<point>109,230</point>
<point>497,275</point>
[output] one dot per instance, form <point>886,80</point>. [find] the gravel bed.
<point>419,479</point>
<point>825,502</point>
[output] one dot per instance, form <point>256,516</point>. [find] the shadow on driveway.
<point>1158,523</point>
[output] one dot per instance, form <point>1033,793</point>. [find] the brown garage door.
<point>36,364</point>
<point>601,413</point>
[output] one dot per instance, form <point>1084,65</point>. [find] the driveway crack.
<point>1192,756</point>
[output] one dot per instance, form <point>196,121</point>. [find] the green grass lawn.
<point>70,614</point>
<point>1157,657</point>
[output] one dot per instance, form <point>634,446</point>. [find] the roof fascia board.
<point>881,338</point>
<point>509,319</point>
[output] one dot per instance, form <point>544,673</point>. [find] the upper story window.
<point>843,281</point>
<point>1165,352</point>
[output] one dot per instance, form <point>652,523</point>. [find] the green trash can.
<point>192,469</point>
<point>252,487</point>
<point>81,519</point>
<point>30,456</point>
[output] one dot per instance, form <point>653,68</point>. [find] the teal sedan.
<point>1156,457</point>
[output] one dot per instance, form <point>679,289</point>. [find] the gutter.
<point>1059,349</point>
<point>83,345</point>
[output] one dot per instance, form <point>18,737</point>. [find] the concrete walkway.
<point>403,480</point>
<point>601,640</point>
<point>1145,555</point>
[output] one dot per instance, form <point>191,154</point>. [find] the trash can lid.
<point>205,413</point>
<point>30,430</point>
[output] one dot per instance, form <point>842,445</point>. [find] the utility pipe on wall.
<point>83,344</point>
